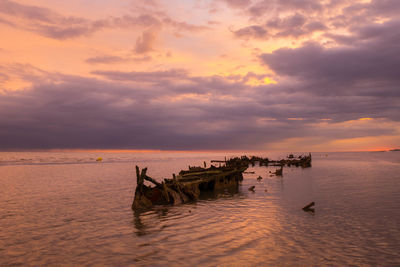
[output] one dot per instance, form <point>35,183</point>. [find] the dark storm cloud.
<point>140,110</point>
<point>87,113</point>
<point>180,81</point>
<point>345,81</point>
<point>373,61</point>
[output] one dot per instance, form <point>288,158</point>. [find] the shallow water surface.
<point>68,209</point>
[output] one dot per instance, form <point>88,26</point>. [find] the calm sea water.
<point>67,209</point>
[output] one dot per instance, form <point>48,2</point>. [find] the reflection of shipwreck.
<point>189,184</point>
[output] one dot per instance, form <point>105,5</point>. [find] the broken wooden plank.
<point>309,207</point>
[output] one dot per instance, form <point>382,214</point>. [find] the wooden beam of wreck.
<point>152,180</point>
<point>137,175</point>
<point>142,175</point>
<point>178,188</point>
<point>165,192</point>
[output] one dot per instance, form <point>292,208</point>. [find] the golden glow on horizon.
<point>375,143</point>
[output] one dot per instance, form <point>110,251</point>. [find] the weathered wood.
<point>165,190</point>
<point>183,197</point>
<point>309,207</point>
<point>143,174</point>
<point>140,201</point>
<point>152,180</point>
<point>137,175</point>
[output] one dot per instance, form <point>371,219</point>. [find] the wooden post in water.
<point>309,207</point>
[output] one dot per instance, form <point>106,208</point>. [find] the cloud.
<point>183,26</point>
<point>267,6</point>
<point>29,12</point>
<point>362,65</point>
<point>45,21</point>
<point>294,25</point>
<point>288,26</point>
<point>141,76</point>
<point>109,59</point>
<point>49,23</point>
<point>105,60</point>
<point>145,43</point>
<point>171,109</point>
<point>3,77</point>
<point>254,31</point>
<point>359,77</point>
<point>301,18</point>
<point>322,90</point>
<point>237,3</point>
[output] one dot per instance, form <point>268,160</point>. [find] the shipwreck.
<point>189,184</point>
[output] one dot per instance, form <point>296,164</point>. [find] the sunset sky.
<point>292,75</point>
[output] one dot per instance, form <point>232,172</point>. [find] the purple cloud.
<point>255,31</point>
<point>145,43</point>
<point>57,26</point>
<point>172,110</point>
<point>373,59</point>
<point>109,59</point>
<point>237,3</point>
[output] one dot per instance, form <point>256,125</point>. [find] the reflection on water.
<point>76,212</point>
<point>158,214</point>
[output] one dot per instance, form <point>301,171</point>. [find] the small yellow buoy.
<point>99,159</point>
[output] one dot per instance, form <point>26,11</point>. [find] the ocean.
<point>65,208</point>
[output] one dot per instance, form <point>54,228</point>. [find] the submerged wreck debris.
<point>309,207</point>
<point>300,161</point>
<point>189,184</point>
<point>279,172</point>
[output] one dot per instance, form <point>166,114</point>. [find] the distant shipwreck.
<point>189,184</point>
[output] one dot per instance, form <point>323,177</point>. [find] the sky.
<point>279,75</point>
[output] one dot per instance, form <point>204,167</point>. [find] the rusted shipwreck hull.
<point>185,187</point>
